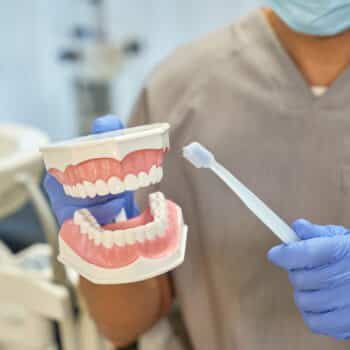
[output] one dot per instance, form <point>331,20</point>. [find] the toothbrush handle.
<point>257,206</point>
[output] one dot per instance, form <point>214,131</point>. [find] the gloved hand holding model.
<point>90,185</point>
<point>319,270</point>
<point>106,208</point>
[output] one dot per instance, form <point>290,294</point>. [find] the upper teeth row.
<point>157,228</point>
<point>114,185</point>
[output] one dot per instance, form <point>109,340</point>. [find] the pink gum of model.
<point>117,257</point>
<point>105,168</point>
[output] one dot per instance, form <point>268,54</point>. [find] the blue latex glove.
<point>319,271</point>
<point>103,208</point>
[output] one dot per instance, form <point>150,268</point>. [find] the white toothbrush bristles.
<point>198,155</point>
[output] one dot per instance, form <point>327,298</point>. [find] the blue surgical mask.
<point>314,17</point>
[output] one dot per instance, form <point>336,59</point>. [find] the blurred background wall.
<point>36,88</point>
<point>39,89</point>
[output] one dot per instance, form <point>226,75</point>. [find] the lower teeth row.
<point>157,228</point>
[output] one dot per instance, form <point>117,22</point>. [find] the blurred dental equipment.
<point>35,289</point>
<point>20,174</point>
<point>200,157</point>
<point>18,155</point>
<point>97,61</point>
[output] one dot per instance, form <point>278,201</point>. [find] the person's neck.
<point>320,59</point>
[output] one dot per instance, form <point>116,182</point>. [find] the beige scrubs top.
<point>239,93</point>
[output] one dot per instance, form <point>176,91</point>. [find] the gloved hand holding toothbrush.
<point>317,258</point>
<point>104,209</point>
<point>319,271</point>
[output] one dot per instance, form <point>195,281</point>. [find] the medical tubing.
<point>256,205</point>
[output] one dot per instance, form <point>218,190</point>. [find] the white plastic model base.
<point>140,270</point>
<point>115,145</point>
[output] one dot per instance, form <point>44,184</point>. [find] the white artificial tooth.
<point>153,175</point>
<point>159,229</point>
<point>140,235</point>
<point>161,211</point>
<point>95,225</point>
<point>81,191</point>
<point>71,191</point>
<point>164,221</point>
<point>78,219</point>
<point>150,231</point>
<point>153,197</point>
<point>90,189</point>
<point>154,211</point>
<point>115,185</point>
<point>97,236</point>
<point>159,174</point>
<point>130,236</point>
<point>74,191</point>
<point>84,227</point>
<point>131,183</point>
<point>66,189</point>
<point>162,231</point>
<point>119,238</point>
<point>101,188</point>
<point>86,212</point>
<point>91,232</point>
<point>90,219</point>
<point>144,179</point>
<point>157,201</point>
<point>107,239</point>
<point>121,216</point>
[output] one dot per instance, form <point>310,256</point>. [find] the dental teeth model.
<point>124,251</point>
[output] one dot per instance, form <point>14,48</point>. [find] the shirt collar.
<point>281,71</point>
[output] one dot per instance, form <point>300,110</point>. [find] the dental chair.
<point>36,291</point>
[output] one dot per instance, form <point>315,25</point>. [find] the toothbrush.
<point>200,157</point>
